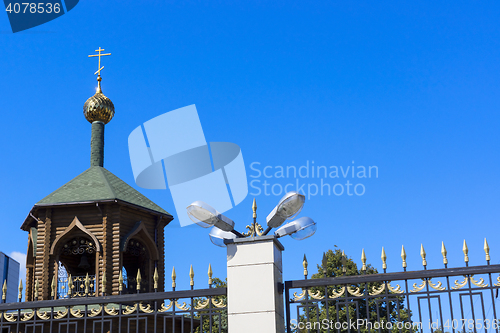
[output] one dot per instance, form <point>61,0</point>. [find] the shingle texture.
<point>96,184</point>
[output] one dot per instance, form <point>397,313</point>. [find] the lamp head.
<point>299,229</point>
<point>291,204</point>
<point>202,214</point>
<point>288,207</point>
<point>217,236</point>
<point>205,216</point>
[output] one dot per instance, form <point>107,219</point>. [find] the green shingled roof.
<point>97,184</point>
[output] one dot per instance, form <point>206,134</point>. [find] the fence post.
<point>254,285</point>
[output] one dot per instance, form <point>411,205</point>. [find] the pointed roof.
<point>97,184</point>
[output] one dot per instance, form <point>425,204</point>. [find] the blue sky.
<point>410,87</point>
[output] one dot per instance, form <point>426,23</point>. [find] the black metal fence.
<point>451,300</point>
<point>447,300</point>
<point>195,311</point>
<point>75,286</point>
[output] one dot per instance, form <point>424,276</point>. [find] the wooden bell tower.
<point>95,225</point>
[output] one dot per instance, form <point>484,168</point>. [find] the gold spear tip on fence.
<point>466,251</point>
<point>305,264</point>
<point>487,250</point>
<point>120,281</point>
<point>384,258</point>
<point>155,278</point>
<point>103,282</point>
<point>174,276</point>
<point>70,284</point>
<point>383,255</point>
<point>139,279</point>
<point>423,254</point>
<point>444,253</point>
<point>210,274</point>
<point>403,255</point>
<point>343,262</point>
<point>36,287</point>
<point>363,260</point>
<point>87,283</point>
<point>53,286</point>
<point>191,276</point>
<point>20,289</point>
<point>4,290</point>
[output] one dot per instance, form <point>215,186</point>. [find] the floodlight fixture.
<point>299,229</point>
<point>202,214</point>
<point>206,216</point>
<point>217,236</point>
<point>288,207</point>
<point>291,204</point>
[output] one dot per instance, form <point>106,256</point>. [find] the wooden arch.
<point>140,230</point>
<point>32,244</point>
<point>75,225</point>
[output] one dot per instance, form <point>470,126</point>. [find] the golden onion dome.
<point>98,107</point>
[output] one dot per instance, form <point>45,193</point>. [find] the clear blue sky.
<point>410,87</point>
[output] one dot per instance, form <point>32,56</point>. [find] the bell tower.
<point>95,231</point>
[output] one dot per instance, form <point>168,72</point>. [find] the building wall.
<point>109,223</point>
<point>9,271</point>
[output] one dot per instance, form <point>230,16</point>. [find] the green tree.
<point>340,310</point>
<point>216,314</point>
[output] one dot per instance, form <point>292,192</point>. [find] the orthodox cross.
<point>99,55</point>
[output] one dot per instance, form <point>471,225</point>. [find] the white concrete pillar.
<point>254,276</point>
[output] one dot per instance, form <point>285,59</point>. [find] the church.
<point>96,234</point>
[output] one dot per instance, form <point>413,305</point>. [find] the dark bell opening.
<point>84,263</point>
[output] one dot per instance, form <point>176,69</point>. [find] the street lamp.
<point>205,216</point>
<point>288,207</point>
<point>217,236</point>
<point>299,229</point>
<point>223,227</point>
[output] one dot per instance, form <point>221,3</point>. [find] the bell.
<point>84,263</point>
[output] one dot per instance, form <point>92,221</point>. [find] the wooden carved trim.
<point>139,228</point>
<point>76,224</point>
<point>34,238</point>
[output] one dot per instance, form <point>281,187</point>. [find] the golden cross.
<point>99,55</point>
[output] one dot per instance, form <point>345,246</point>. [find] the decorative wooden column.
<point>107,252</point>
<point>116,263</point>
<point>30,264</point>
<point>160,242</point>
<point>45,275</point>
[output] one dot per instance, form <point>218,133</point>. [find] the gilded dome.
<point>99,107</point>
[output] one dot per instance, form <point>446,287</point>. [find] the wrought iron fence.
<point>78,284</point>
<point>194,311</point>
<point>439,300</point>
<point>202,310</point>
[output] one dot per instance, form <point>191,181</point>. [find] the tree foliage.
<point>347,310</point>
<point>218,317</point>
